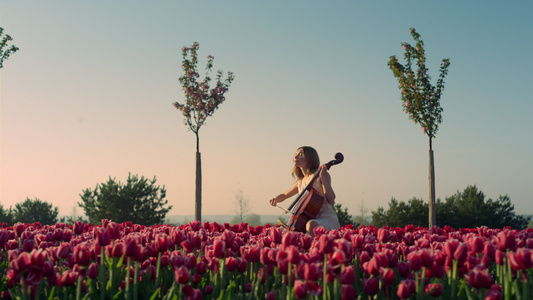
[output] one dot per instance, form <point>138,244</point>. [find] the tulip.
<point>231,264</point>
<point>293,255</point>
<point>181,275</point>
<point>479,278</point>
<point>219,248</point>
<point>312,271</point>
<point>92,271</point>
<point>290,238</point>
<point>81,255</point>
<point>326,244</point>
<point>404,292</point>
<point>370,285</point>
<point>404,269</point>
<point>347,275</point>
<point>461,252</point>
<point>433,289</point>
<point>506,240</point>
<point>415,261</point>
<point>387,276</point>
<point>300,289</point>
<point>348,292</point>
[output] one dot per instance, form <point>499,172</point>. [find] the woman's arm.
<point>325,179</point>
<point>289,193</point>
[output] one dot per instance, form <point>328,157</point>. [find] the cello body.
<point>306,208</point>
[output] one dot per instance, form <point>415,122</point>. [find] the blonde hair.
<point>312,159</point>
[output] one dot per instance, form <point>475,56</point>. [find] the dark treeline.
<point>463,210</point>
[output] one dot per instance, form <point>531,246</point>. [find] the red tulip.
<point>406,288</point>
<point>347,275</point>
<point>181,275</point>
<point>201,268</point>
<point>22,262</point>
<point>219,248</point>
<point>228,237</point>
<point>290,238</point>
<point>383,235</point>
<point>67,279</point>
<point>387,276</point>
<point>325,244</point>
<point>404,269</point>
<point>231,264</point>
<point>293,255</point>
<point>506,240</point>
<point>433,289</point>
<point>494,293</point>
<point>82,255</point>
<point>499,256</point>
<point>92,271</point>
<point>476,244</point>
<point>33,277</point>
<point>282,261</point>
<point>489,250</point>
<point>300,289</point>
<point>101,238</point>
<point>312,271</point>
<point>415,261</point>
<point>450,246</point>
<point>370,285</point>
<point>479,278</point>
<point>348,292</point>
<point>461,252</point>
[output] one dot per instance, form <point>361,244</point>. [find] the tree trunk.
<point>432,210</point>
<point>198,207</point>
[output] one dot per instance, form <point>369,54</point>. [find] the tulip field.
<point>223,261</point>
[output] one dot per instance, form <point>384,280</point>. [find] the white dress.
<point>326,217</point>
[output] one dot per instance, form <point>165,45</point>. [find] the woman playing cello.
<point>306,163</point>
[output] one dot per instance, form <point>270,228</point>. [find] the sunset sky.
<point>89,96</point>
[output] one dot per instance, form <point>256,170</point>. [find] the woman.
<point>306,163</point>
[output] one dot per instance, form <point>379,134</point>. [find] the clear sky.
<point>89,96</point>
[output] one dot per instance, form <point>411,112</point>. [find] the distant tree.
<point>421,100</point>
<point>253,219</point>
<point>242,206</point>
<point>31,211</point>
<point>6,215</point>
<point>344,217</point>
<point>361,219</point>
<point>465,209</point>
<point>5,50</point>
<point>414,212</point>
<point>503,214</point>
<point>201,102</point>
<point>139,201</point>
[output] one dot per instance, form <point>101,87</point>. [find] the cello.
<point>308,203</point>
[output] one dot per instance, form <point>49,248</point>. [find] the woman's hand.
<point>324,175</point>
<point>273,201</point>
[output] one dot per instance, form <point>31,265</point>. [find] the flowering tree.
<point>5,50</point>
<point>421,100</point>
<point>201,102</point>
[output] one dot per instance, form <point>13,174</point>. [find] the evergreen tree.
<point>139,201</point>
<point>31,211</point>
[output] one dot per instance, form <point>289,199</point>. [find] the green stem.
<point>102,283</point>
<point>127,289</point>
